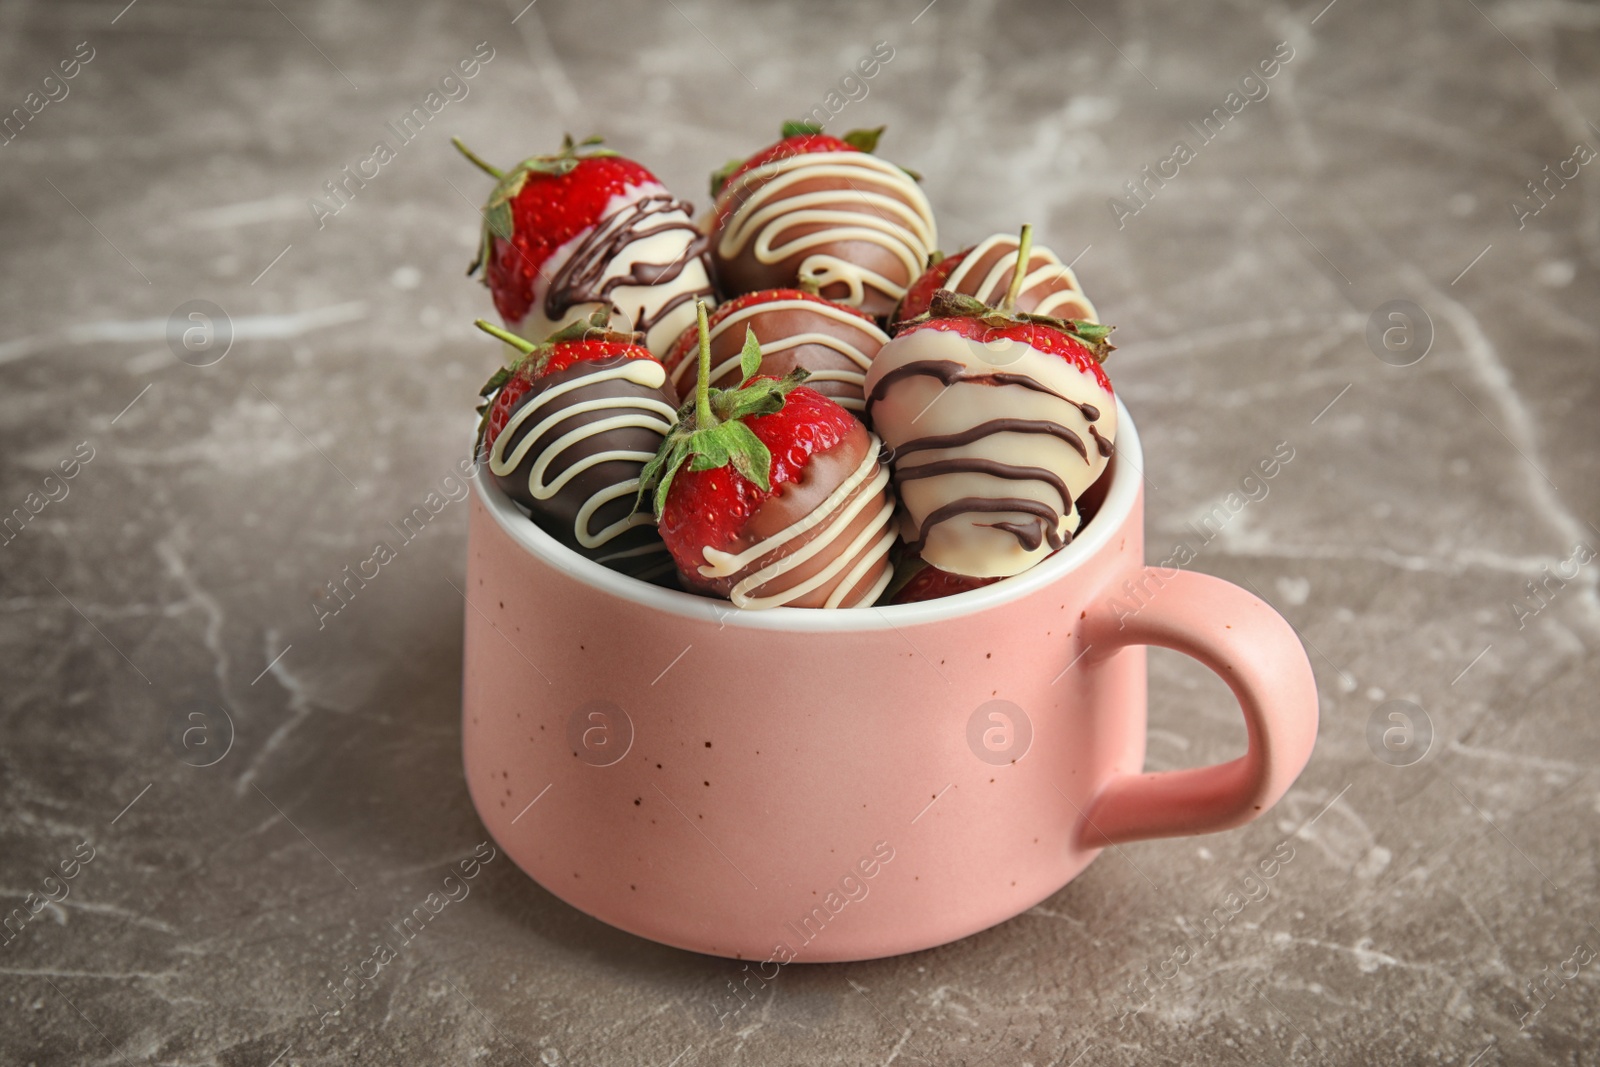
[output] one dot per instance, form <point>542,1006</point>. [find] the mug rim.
<point>1127,480</point>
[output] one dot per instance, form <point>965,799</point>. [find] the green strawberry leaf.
<point>661,469</point>
<point>710,448</point>
<point>497,216</point>
<point>864,140</point>
<point>762,397</point>
<point>717,435</point>
<point>719,177</point>
<point>498,221</point>
<point>663,487</point>
<point>1092,332</point>
<point>750,457</point>
<point>496,380</point>
<point>750,355</point>
<point>947,304</point>
<point>798,129</point>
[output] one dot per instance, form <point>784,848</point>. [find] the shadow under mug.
<point>814,785</point>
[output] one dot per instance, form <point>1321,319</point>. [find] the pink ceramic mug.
<point>798,784</point>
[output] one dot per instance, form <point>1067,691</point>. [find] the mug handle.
<point>1253,649</point>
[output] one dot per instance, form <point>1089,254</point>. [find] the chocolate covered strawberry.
<point>771,494</point>
<point>997,420</point>
<point>587,230</point>
<point>985,271</point>
<point>823,211</point>
<point>915,581</point>
<point>833,342</point>
<point>569,428</point>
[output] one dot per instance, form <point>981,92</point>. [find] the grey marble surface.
<point>157,615</point>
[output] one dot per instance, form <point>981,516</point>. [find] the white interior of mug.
<point>1127,472</point>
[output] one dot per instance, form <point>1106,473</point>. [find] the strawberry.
<point>916,581</point>
<point>920,295</point>
<point>821,210</point>
<point>771,494</point>
<point>557,239</point>
<point>1080,344</point>
<point>986,270</point>
<point>796,328</point>
<point>796,139</point>
<point>568,431</point>
<point>989,477</point>
<point>508,385</point>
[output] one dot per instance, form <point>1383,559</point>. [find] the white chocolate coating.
<point>777,219</point>
<point>1051,447</point>
<point>632,306</point>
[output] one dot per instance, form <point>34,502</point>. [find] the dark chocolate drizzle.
<point>1046,521</point>
<point>949,372</point>
<point>984,429</point>
<point>994,467</point>
<point>578,280</point>
<point>1100,439</point>
<point>1027,534</point>
<point>1030,535</point>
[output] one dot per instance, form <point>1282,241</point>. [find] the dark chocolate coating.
<point>558,514</point>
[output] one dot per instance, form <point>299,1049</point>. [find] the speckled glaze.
<point>775,756</point>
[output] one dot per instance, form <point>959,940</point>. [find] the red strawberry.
<point>1073,347</point>
<point>771,494</point>
<point>572,423</point>
<point>986,270</point>
<point>509,385</point>
<point>925,582</point>
<point>988,477</point>
<point>553,227</point>
<point>798,139</point>
<point>920,295</point>
<point>823,210</point>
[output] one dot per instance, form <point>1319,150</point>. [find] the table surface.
<point>238,770</point>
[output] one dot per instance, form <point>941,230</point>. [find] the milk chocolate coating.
<point>825,472</point>
<point>772,324</point>
<point>1050,286</point>
<point>558,514</point>
<point>896,252</point>
<point>744,273</point>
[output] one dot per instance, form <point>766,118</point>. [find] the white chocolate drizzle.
<point>855,355</point>
<point>874,189</point>
<point>645,412</point>
<point>1062,297</point>
<point>864,487</point>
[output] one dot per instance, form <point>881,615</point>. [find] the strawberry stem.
<point>521,344</point>
<point>493,172</point>
<point>704,418</point>
<point>1019,272</point>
